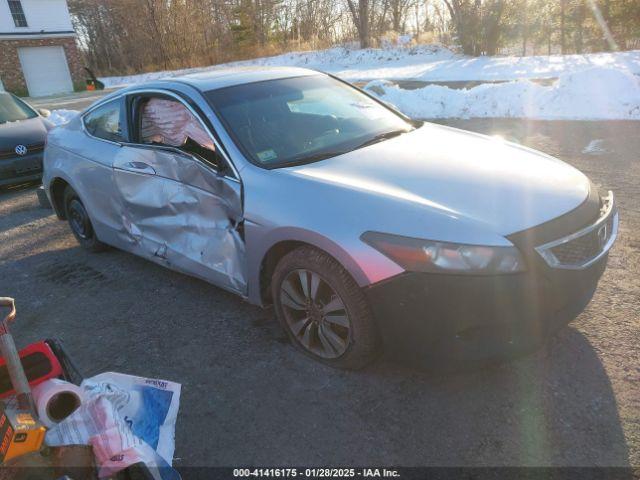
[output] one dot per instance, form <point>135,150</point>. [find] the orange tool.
<point>20,430</point>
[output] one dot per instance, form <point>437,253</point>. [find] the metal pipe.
<point>12,358</point>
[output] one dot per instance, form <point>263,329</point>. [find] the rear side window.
<point>104,122</point>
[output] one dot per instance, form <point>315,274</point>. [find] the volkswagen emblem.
<point>21,150</point>
<point>602,235</point>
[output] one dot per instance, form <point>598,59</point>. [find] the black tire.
<point>80,223</point>
<point>331,294</point>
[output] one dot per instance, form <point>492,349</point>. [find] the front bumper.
<point>16,170</point>
<point>426,316</point>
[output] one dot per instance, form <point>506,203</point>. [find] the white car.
<point>366,230</point>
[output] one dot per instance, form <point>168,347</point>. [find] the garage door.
<point>45,70</point>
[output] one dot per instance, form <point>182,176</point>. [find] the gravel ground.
<point>249,398</point>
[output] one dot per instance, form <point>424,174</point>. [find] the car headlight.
<point>417,255</point>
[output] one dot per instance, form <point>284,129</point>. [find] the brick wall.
<point>11,70</point>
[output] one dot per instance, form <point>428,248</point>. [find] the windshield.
<point>303,119</point>
<point>13,109</point>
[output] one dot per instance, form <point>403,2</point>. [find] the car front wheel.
<point>323,310</point>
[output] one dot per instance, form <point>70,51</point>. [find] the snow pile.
<point>422,62</point>
<point>348,63</point>
<point>588,87</point>
<point>344,61</point>
<point>597,93</point>
<point>60,117</point>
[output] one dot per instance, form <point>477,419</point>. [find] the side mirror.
<point>213,157</point>
<point>44,112</point>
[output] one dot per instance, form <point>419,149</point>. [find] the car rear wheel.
<point>323,310</point>
<point>80,222</point>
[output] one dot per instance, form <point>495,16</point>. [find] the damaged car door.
<point>181,202</point>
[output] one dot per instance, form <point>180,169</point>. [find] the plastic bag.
<point>126,419</point>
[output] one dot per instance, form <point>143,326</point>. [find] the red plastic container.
<point>40,364</point>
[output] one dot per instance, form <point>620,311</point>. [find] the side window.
<point>104,122</point>
<point>170,123</point>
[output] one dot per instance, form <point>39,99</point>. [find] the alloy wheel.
<point>315,314</point>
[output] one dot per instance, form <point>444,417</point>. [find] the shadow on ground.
<point>248,396</point>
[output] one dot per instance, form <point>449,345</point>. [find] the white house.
<point>38,52</point>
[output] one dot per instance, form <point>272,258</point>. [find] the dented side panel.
<point>181,214</point>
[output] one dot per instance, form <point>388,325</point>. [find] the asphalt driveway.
<point>250,399</point>
<point>68,101</point>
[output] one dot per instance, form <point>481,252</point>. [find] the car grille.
<point>30,168</point>
<point>583,248</point>
<point>31,149</point>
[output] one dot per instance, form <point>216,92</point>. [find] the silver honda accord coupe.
<point>367,231</point>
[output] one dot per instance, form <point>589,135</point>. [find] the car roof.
<point>227,77</point>
<point>212,80</point>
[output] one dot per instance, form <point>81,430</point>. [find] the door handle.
<point>141,167</point>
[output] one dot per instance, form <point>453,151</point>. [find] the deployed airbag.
<point>171,123</point>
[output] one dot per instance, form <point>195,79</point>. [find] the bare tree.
<point>563,12</point>
<point>399,10</point>
<point>360,15</point>
<point>126,36</point>
<point>525,26</point>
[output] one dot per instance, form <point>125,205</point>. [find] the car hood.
<point>495,184</point>
<point>25,132</point>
